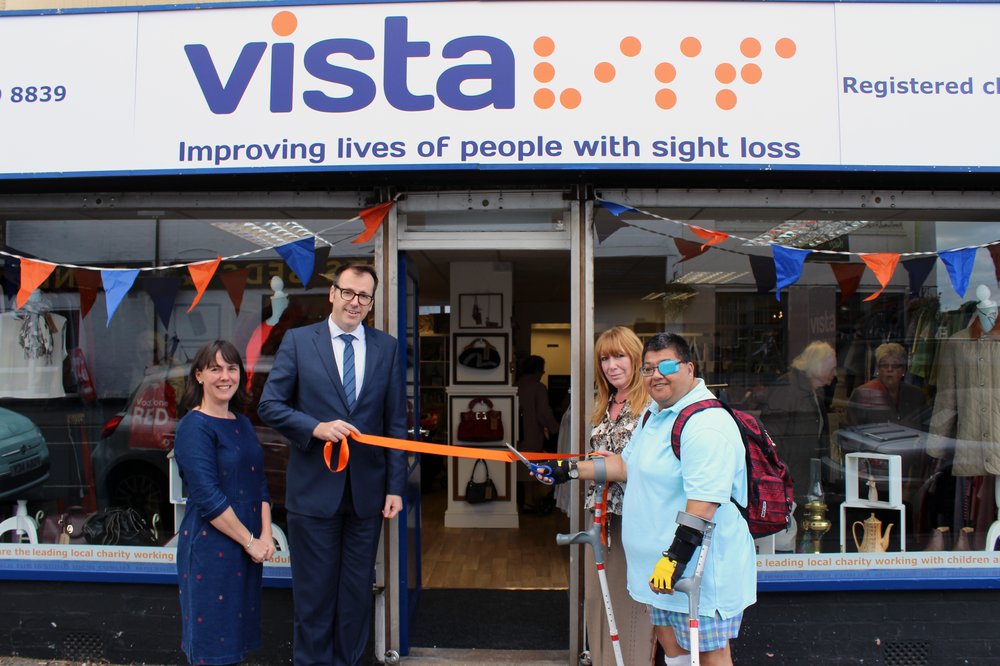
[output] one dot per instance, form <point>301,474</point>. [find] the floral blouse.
<point>612,436</point>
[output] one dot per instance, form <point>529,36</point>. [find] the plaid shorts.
<point>713,632</point>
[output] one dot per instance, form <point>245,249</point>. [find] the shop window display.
<point>882,396</point>
<point>89,387</point>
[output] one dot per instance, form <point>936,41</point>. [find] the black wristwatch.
<point>573,472</point>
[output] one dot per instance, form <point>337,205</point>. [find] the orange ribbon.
<point>502,455</point>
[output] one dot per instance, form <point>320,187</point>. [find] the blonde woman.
<point>620,402</point>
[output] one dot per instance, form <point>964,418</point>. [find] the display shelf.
<point>889,484</point>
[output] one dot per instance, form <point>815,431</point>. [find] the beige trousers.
<point>635,631</point>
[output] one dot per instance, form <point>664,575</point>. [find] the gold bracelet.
<point>246,547</point>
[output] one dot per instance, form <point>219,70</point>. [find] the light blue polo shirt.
<point>712,468</point>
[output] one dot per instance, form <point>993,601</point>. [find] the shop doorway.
<point>521,562</point>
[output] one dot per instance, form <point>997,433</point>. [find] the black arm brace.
<point>686,540</point>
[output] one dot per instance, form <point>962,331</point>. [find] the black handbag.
<point>117,526</point>
<point>479,355</point>
<point>478,492</point>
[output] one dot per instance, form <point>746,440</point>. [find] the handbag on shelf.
<point>479,355</point>
<point>65,528</point>
<point>117,526</point>
<point>482,425</point>
<point>478,492</point>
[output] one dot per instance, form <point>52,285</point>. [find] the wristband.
<point>246,547</point>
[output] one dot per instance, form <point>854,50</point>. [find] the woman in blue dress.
<point>226,533</point>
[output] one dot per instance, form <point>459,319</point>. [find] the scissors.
<point>534,468</point>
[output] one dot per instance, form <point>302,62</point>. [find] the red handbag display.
<point>480,425</point>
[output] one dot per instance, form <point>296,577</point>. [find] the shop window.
<point>882,405</point>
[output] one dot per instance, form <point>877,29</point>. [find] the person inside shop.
<point>698,487</point>
<point>538,423</point>
<point>620,401</point>
<point>795,417</point>
<point>226,533</point>
<point>887,398</point>
<point>331,381</point>
<point>965,428</point>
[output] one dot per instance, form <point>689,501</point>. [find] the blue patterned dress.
<point>222,465</point>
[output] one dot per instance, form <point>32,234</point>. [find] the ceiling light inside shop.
<point>267,234</point>
<point>807,233</point>
<point>710,277</point>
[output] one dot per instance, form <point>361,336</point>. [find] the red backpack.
<point>769,485</point>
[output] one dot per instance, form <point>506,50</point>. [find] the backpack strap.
<point>681,421</point>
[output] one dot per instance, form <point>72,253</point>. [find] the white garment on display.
<point>35,371</point>
<point>986,308</point>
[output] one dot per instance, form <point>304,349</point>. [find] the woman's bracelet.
<point>246,547</point>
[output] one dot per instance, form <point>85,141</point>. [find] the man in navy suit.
<point>329,381</point>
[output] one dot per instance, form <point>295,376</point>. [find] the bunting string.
<point>788,260</point>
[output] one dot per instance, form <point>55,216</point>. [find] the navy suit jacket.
<point>304,389</point>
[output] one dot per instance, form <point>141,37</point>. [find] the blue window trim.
<point>805,580</point>
<point>88,571</point>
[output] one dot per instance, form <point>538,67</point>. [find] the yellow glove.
<point>665,574</point>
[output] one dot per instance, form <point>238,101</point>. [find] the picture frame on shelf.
<point>480,310</point>
<point>480,359</point>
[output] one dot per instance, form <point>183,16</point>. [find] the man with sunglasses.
<point>329,381</point>
<point>699,487</point>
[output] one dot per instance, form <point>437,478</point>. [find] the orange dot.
<point>750,47</point>
<point>630,46</point>
<point>666,98</point>
<point>725,99</point>
<point>690,46</point>
<point>725,73</point>
<point>751,73</point>
<point>665,72</point>
<point>785,47</point>
<point>604,72</point>
<point>544,72</point>
<point>544,46</point>
<point>544,98</point>
<point>570,98</point>
<point>284,24</point>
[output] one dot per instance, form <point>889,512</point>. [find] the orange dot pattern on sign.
<point>284,24</point>
<point>544,72</point>
<point>750,73</point>
<point>726,73</point>
<point>785,48</point>
<point>604,72</point>
<point>630,47</point>
<point>691,47</point>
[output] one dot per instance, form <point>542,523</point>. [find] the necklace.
<point>619,402</point>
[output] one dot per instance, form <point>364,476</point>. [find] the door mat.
<point>491,619</point>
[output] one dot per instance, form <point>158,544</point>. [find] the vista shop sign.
<point>508,85</point>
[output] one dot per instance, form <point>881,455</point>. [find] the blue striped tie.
<point>347,371</point>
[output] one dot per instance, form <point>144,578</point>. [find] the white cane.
<point>593,537</point>
<point>692,586</point>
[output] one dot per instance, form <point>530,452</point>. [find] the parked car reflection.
<point>24,455</point>
<point>130,462</point>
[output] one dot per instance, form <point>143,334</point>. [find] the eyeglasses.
<point>667,367</point>
<point>891,366</point>
<point>349,295</point>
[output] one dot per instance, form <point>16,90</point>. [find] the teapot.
<point>873,540</point>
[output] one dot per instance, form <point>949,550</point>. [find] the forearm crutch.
<point>592,536</point>
<point>692,586</point>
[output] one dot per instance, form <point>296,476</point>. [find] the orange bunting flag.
<point>712,237</point>
<point>372,217</point>
<point>883,264</point>
<point>33,274</point>
<point>202,274</point>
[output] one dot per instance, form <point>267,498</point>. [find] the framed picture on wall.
<point>480,359</point>
<point>480,310</point>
